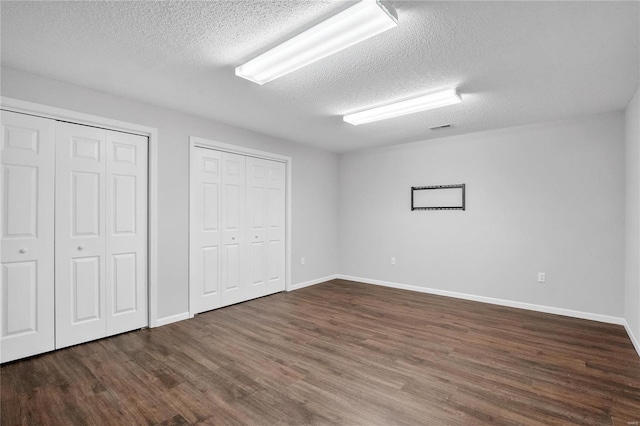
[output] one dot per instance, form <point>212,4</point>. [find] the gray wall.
<point>546,198</point>
<point>314,189</point>
<point>632,223</point>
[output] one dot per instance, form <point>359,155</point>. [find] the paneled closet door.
<point>232,224</point>
<point>275,226</point>
<point>26,297</point>
<point>256,219</point>
<point>80,234</point>
<point>237,228</point>
<point>126,232</point>
<point>206,171</point>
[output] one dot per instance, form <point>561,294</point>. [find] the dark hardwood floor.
<point>338,353</point>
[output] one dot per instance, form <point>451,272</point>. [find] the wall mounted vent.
<point>444,126</point>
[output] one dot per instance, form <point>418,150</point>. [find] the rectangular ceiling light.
<point>353,25</point>
<point>408,106</point>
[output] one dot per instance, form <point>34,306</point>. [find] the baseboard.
<point>172,318</point>
<point>528,306</point>
<point>312,282</point>
<point>633,338</point>
<point>185,315</point>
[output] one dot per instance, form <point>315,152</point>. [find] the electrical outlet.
<point>542,277</point>
<point>303,261</point>
<point>393,260</point>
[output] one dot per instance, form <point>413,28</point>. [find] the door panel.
<point>124,204</point>
<point>80,234</point>
<point>210,211</point>
<point>20,283</point>
<point>258,204</point>
<point>125,279</point>
<point>27,182</point>
<point>205,234</point>
<point>126,232</point>
<point>232,269</point>
<point>21,206</point>
<point>211,271</point>
<point>258,255</point>
<point>86,206</point>
<point>85,275</point>
<point>232,222</point>
<point>232,203</point>
<point>86,148</point>
<point>274,260</point>
<point>21,133</point>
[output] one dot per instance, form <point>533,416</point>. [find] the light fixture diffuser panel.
<point>351,26</point>
<point>407,106</point>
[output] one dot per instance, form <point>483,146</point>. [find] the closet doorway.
<point>239,224</point>
<point>78,228</point>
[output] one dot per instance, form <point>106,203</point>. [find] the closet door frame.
<point>45,111</point>
<point>197,142</point>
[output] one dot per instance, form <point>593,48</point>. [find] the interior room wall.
<point>314,188</point>
<point>632,219</point>
<point>540,198</point>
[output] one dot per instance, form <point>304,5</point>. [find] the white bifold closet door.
<point>265,221</point>
<point>232,202</point>
<point>101,233</point>
<point>27,294</point>
<point>204,258</point>
<point>237,229</point>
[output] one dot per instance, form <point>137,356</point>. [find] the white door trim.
<point>46,111</point>
<point>196,142</point>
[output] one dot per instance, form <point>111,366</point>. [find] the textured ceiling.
<point>514,62</point>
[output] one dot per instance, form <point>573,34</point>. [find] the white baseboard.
<point>634,340</point>
<point>491,300</point>
<point>171,318</point>
<point>312,282</point>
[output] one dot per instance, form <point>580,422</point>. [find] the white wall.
<point>546,198</point>
<point>632,222</point>
<point>314,189</point>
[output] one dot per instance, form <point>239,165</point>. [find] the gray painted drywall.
<point>540,198</point>
<point>314,188</point>
<point>632,218</point>
<point>545,198</point>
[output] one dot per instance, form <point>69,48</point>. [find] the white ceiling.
<point>514,62</point>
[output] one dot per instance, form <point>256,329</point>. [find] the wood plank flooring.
<point>338,353</point>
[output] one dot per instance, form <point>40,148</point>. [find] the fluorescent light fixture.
<point>408,106</point>
<point>353,25</point>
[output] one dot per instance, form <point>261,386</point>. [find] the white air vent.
<point>444,126</point>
